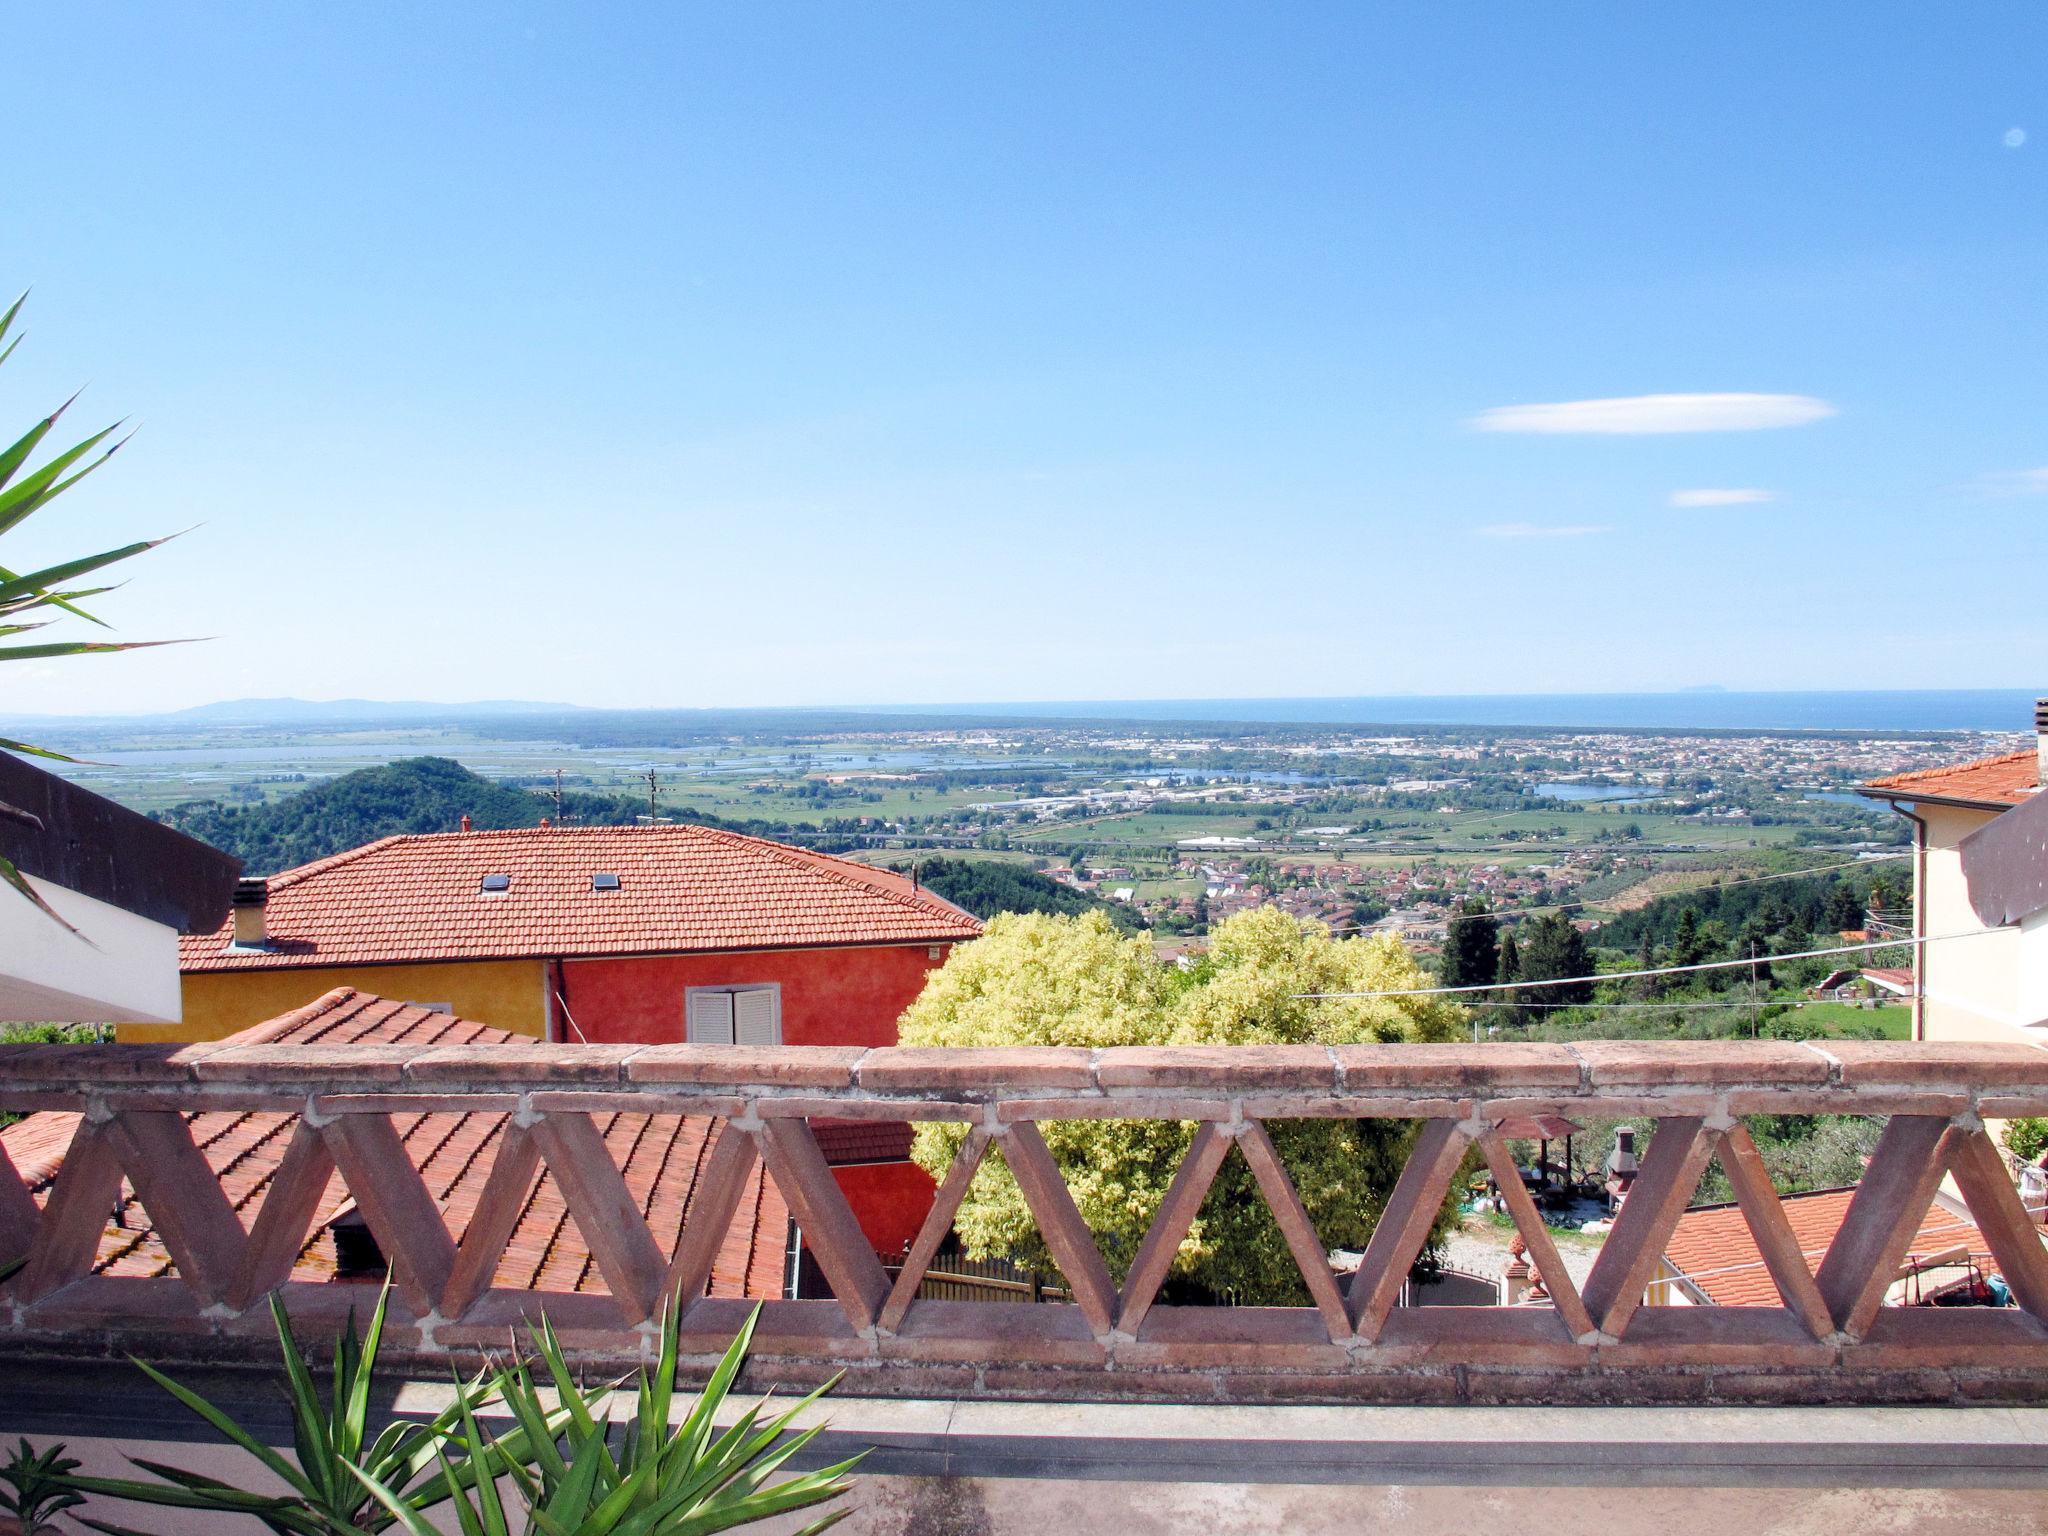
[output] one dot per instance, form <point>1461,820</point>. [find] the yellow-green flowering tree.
<point>1045,980</point>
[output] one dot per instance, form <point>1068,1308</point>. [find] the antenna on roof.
<point>560,819</point>
<point>654,792</point>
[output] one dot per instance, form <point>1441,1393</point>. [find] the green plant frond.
<point>227,1426</point>
<point>483,1453</point>
<point>697,1427</point>
<point>797,1493</point>
<point>466,1514</point>
<point>414,1523</point>
<point>46,484</point>
<point>564,1379</point>
<point>63,602</point>
<point>79,648</point>
<point>572,1496</point>
<point>106,1528</point>
<point>352,1399</point>
<point>311,1433</point>
<point>177,1495</point>
<point>37,583</point>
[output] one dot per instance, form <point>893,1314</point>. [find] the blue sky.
<point>776,354</point>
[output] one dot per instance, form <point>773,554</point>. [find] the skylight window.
<point>497,883</point>
<point>604,882</point>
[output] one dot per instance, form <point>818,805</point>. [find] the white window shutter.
<point>755,1020</point>
<point>710,1018</point>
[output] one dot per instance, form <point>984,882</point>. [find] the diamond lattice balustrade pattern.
<point>1834,1334</point>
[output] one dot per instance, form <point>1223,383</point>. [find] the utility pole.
<point>1752,989</point>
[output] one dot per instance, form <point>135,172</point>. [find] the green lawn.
<point>1895,1019</point>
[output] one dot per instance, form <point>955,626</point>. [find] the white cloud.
<point>1540,531</point>
<point>1637,414</point>
<point>1728,498</point>
<point>2017,482</point>
<point>2015,137</point>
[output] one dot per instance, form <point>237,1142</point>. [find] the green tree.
<point>1046,980</point>
<point>1471,947</point>
<point>1646,960</point>
<point>1554,948</point>
<point>1844,908</point>
<point>1687,947</point>
<point>1509,968</point>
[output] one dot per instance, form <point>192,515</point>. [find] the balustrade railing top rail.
<point>1182,1082</point>
<point>1834,1336</point>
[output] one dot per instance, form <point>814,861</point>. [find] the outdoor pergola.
<point>1543,1130</point>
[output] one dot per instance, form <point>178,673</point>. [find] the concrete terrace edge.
<point>1364,1445</point>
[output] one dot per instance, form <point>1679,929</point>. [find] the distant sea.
<point>1963,709</point>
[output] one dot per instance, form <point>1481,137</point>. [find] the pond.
<point>1566,791</point>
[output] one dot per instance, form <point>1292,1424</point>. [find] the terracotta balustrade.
<point>1833,1337</point>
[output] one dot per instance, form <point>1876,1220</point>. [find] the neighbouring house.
<point>1712,1258</point>
<point>602,935</point>
<point>645,935</point>
<point>124,887</point>
<point>662,1158</point>
<point>1980,893</point>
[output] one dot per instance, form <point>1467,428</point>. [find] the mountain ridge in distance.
<point>289,711</point>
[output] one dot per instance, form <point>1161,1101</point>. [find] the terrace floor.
<point>960,1468</point>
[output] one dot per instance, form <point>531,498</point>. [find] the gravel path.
<point>1482,1249</point>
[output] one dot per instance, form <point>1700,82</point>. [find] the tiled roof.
<point>864,1141</point>
<point>661,1156</point>
<point>680,888</point>
<point>1992,782</point>
<point>1712,1246</point>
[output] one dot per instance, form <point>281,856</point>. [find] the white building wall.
<point>117,967</point>
<point>1991,984</point>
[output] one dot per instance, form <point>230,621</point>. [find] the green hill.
<point>416,794</point>
<point>986,887</point>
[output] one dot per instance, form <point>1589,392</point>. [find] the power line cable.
<point>1664,970</point>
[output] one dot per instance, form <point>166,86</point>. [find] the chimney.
<point>545,823</point>
<point>252,895</point>
<point>465,821</point>
<point>2041,742</point>
<point>1622,1166</point>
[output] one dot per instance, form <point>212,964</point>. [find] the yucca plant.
<point>33,1488</point>
<point>689,1480</point>
<point>336,1465</point>
<point>47,592</point>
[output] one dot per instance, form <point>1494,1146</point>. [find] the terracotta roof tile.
<point>864,1141</point>
<point>1993,782</point>
<point>660,1155</point>
<point>681,888</point>
<point>1713,1248</point>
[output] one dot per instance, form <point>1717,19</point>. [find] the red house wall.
<point>890,1200</point>
<point>829,996</point>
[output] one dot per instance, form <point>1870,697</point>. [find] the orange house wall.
<point>829,996</point>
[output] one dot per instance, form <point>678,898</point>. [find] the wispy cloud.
<point>1541,530</point>
<point>2016,482</point>
<point>1641,414</point>
<point>1717,498</point>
